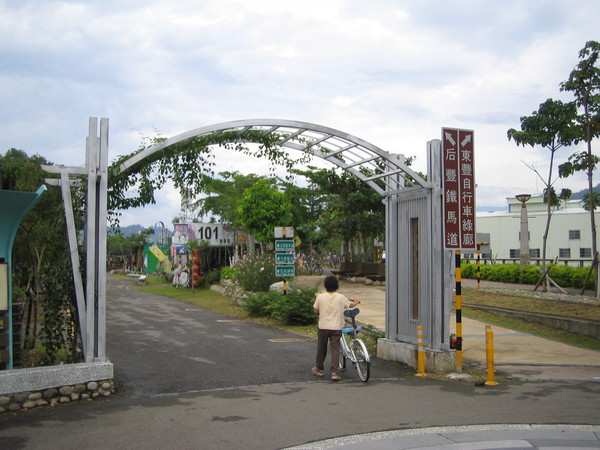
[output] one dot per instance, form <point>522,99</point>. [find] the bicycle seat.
<point>351,312</point>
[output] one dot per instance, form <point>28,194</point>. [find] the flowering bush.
<point>228,273</point>
<point>256,273</point>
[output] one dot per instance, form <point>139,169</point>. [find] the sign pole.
<point>458,303</point>
<point>284,254</point>
<point>284,234</point>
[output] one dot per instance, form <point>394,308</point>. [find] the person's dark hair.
<point>331,283</point>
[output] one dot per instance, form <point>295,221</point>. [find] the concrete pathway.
<point>518,354</point>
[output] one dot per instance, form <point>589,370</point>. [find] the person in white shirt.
<point>330,307</point>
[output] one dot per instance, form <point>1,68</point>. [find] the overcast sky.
<point>391,72</point>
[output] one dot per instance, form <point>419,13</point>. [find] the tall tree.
<point>262,208</point>
<point>584,82</point>
<point>307,207</point>
<point>223,194</point>
<point>552,126</point>
<point>352,210</point>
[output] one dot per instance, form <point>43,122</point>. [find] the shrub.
<point>228,273</point>
<point>257,304</point>
<point>561,275</point>
<point>468,270</point>
<point>295,308</point>
<point>578,276</point>
<point>565,276</point>
<point>256,273</point>
<point>529,275</point>
<point>213,277</point>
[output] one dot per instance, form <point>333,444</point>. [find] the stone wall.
<point>53,396</point>
<point>47,386</point>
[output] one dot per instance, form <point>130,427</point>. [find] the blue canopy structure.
<point>14,207</point>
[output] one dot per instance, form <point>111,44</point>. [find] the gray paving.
<point>187,378</point>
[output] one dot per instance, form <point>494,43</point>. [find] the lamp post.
<point>525,259</point>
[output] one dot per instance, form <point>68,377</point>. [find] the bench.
<point>378,272</point>
<point>349,268</point>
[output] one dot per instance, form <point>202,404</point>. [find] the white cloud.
<point>392,73</point>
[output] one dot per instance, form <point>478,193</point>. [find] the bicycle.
<point>353,348</point>
<point>313,267</point>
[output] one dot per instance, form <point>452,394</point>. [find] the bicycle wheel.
<point>318,270</point>
<point>342,363</point>
<point>363,364</point>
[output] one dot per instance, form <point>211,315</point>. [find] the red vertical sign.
<point>458,184</point>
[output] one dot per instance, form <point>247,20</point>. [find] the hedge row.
<point>565,276</point>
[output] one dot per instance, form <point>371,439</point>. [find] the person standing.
<point>330,307</point>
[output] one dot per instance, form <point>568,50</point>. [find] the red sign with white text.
<point>458,185</point>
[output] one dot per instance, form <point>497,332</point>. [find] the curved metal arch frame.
<point>359,157</point>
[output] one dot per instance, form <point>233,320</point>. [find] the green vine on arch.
<point>187,163</point>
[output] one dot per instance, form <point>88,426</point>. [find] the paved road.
<point>192,379</point>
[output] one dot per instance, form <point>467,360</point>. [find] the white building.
<point>569,238</point>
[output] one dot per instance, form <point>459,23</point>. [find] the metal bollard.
<point>489,346</point>
<point>420,353</point>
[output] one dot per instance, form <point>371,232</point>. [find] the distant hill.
<point>129,230</point>
<point>579,195</point>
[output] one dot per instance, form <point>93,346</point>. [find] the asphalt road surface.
<point>187,378</point>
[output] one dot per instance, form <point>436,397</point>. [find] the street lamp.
<point>525,259</point>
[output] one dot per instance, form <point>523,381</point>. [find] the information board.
<point>458,184</point>
<point>285,271</point>
<point>284,258</point>
<point>284,245</point>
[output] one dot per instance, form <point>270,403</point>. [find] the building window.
<point>574,234</point>
<point>585,252</point>
<point>515,253</point>
<point>564,252</point>
<point>534,252</point>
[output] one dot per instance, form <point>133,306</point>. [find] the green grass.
<point>535,302</point>
<point>533,328</point>
<point>525,300</point>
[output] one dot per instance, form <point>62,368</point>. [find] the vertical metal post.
<point>441,259</point>
<point>489,346</point>
<point>284,234</point>
<point>458,306</point>
<point>479,265</point>
<point>91,166</point>
<point>65,185</point>
<point>420,353</point>
<point>101,218</point>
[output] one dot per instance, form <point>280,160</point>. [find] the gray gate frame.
<point>361,158</point>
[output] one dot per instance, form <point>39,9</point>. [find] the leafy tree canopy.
<point>262,208</point>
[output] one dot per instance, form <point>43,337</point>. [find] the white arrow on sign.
<point>449,138</point>
<point>466,140</point>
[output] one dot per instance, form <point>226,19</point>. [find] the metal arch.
<point>359,157</point>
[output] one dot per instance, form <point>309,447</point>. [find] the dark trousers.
<point>333,336</point>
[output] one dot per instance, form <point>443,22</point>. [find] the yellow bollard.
<point>420,353</point>
<point>489,345</point>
